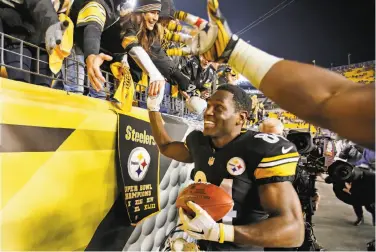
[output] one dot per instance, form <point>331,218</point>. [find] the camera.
<point>310,164</point>
<point>341,171</point>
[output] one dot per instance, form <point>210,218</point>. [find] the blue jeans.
<point>73,73</point>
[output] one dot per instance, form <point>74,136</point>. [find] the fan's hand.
<point>214,39</point>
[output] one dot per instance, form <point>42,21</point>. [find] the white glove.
<point>154,102</point>
<point>196,105</point>
<point>203,227</point>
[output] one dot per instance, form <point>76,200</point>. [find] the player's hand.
<point>202,226</point>
<point>93,65</point>
<point>155,95</point>
<point>54,35</point>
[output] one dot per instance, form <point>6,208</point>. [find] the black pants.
<point>22,70</point>
<point>358,209</point>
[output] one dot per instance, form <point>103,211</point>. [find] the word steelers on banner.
<point>139,163</point>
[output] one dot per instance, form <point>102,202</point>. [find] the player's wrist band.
<point>221,233</point>
<point>250,61</point>
<point>226,233</point>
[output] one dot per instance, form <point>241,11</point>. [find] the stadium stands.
<point>363,73</point>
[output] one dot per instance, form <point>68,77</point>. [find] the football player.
<point>272,126</point>
<point>312,93</point>
<point>256,169</point>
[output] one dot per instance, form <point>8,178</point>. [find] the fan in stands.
<point>213,199</point>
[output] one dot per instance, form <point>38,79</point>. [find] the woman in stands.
<point>141,28</point>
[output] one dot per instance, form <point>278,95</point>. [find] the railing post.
<point>2,48</point>
<point>21,54</point>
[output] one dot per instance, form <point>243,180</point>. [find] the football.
<point>213,199</point>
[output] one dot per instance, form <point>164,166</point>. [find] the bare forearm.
<point>323,98</point>
<point>159,132</point>
<point>314,94</point>
<point>273,232</point>
<point>168,147</point>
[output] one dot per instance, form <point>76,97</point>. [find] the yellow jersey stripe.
<point>280,157</point>
<point>128,41</point>
<point>95,5</point>
<point>92,12</point>
<point>186,146</point>
<point>91,19</point>
<point>277,171</point>
<point>279,162</point>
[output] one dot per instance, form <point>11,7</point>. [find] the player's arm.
<point>274,174</point>
<point>323,98</point>
<point>169,148</point>
<point>314,94</point>
<point>284,227</point>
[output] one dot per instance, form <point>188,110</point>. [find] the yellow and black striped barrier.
<point>58,168</point>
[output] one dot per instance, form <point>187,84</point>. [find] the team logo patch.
<point>236,166</point>
<point>138,163</point>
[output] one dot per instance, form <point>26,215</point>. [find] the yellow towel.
<point>174,91</point>
<point>143,83</point>
<point>125,90</point>
<point>63,50</point>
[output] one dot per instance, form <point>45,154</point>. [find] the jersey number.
<point>269,138</point>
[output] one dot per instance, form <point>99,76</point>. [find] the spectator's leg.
<point>45,79</point>
<point>58,84</point>
<point>74,72</point>
<point>371,208</point>
<point>359,214</point>
<point>12,58</point>
<point>102,94</point>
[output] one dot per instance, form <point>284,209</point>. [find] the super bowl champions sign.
<point>139,164</point>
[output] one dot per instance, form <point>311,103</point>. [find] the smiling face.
<point>221,118</point>
<point>150,19</point>
<point>204,62</point>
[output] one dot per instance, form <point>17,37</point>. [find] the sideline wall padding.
<point>59,182</point>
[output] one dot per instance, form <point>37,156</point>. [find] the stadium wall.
<point>61,186</point>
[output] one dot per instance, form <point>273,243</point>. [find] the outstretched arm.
<point>172,149</point>
<point>323,98</point>
<point>314,94</point>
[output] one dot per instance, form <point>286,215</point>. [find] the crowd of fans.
<point>90,46</point>
<point>363,73</point>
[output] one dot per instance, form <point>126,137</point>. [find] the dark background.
<point>321,30</point>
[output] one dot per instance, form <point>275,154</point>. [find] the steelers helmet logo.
<point>236,166</point>
<point>138,163</point>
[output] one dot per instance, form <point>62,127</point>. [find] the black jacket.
<point>28,21</point>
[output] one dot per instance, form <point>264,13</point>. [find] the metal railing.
<point>27,62</point>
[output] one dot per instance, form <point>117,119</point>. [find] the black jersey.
<point>250,160</point>
<point>201,79</point>
<point>99,12</point>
